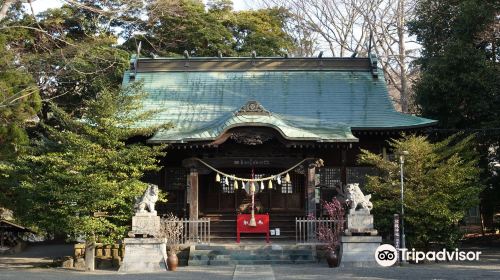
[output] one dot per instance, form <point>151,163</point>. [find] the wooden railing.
<point>193,232</point>
<point>306,230</point>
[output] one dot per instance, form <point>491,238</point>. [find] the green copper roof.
<point>315,104</point>
<point>210,131</point>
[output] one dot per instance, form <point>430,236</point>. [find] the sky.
<point>42,5</point>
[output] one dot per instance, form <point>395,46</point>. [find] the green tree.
<point>262,31</point>
<point>172,27</point>
<point>460,81</point>
<point>64,56</point>
<point>441,184</point>
<point>19,102</point>
<point>78,167</point>
<point>78,59</point>
<point>460,76</point>
<point>70,51</point>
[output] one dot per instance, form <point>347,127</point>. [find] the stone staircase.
<point>251,254</point>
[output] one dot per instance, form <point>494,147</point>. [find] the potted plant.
<point>171,229</point>
<point>172,259</point>
<point>331,235</point>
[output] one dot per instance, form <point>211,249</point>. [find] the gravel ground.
<point>288,272</point>
<point>487,268</point>
<point>36,256</point>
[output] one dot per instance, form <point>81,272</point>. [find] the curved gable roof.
<point>308,99</point>
<point>213,130</point>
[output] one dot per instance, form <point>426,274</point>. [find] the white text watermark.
<point>387,255</point>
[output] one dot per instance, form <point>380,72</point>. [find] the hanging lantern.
<point>287,178</point>
<point>279,179</point>
<point>235,184</point>
<point>261,185</point>
<point>226,181</point>
<point>270,185</point>
<point>217,178</point>
<point>252,187</point>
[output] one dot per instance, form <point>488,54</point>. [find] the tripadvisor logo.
<point>387,255</point>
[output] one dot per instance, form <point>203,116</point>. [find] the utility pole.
<point>401,162</point>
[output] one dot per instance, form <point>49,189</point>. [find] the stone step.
<point>253,257</point>
<point>251,254</point>
<point>275,221</point>
<point>236,246</point>
<point>268,257</point>
<point>232,233</point>
<point>233,226</point>
<point>249,239</point>
<point>248,262</point>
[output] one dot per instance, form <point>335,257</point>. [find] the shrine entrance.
<point>221,182</point>
<point>224,194</point>
<point>219,197</point>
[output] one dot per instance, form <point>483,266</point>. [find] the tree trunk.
<point>402,56</point>
<point>5,7</point>
<point>89,255</point>
<point>481,218</point>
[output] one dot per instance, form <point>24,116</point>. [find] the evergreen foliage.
<point>460,82</point>
<point>460,77</point>
<point>441,183</point>
<point>175,26</point>
<point>78,167</point>
<point>19,102</point>
<point>81,158</point>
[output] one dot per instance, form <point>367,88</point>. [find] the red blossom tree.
<point>331,235</point>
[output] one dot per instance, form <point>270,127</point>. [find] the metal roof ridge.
<point>212,64</point>
<point>215,58</point>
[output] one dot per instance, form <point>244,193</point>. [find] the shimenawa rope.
<point>253,180</point>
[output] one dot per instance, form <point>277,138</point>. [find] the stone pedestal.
<point>360,221</point>
<point>146,223</point>
<point>144,255</point>
<point>359,251</point>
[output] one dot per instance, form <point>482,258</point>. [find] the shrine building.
<point>265,117</point>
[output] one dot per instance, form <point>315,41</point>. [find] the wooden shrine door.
<point>221,197</point>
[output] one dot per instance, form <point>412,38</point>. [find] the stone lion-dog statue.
<point>356,198</point>
<point>147,200</point>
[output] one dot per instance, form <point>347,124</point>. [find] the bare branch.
<point>16,97</point>
<point>344,25</point>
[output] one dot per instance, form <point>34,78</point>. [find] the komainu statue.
<point>359,219</point>
<point>356,198</point>
<point>147,200</point>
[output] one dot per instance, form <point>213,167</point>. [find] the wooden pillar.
<point>311,187</point>
<point>343,168</point>
<point>193,203</point>
<point>310,191</point>
<point>193,194</point>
